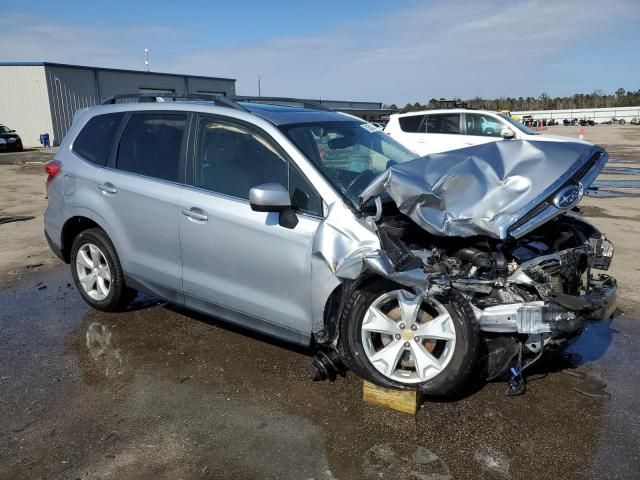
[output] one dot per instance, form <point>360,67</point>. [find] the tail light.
<point>52,168</point>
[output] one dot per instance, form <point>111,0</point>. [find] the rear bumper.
<point>54,248</point>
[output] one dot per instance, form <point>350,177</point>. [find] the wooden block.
<point>404,401</point>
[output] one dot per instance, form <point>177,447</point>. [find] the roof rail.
<point>219,100</point>
<point>283,100</point>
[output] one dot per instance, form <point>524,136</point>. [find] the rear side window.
<point>151,145</point>
<point>94,141</point>
<point>412,124</point>
<point>444,123</point>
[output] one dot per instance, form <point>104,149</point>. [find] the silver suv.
<point>315,227</point>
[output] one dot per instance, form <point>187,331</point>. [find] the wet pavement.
<point>161,393</point>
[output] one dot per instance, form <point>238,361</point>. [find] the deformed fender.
<point>345,248</point>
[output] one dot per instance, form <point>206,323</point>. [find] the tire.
<point>355,346</point>
<point>105,295</point>
<point>19,147</point>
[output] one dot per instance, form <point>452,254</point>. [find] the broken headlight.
<point>602,252</point>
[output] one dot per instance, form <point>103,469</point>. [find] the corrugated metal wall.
<point>24,104</point>
<point>114,83</point>
<point>69,90</point>
<point>74,88</point>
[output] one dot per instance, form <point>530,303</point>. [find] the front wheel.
<point>97,272</point>
<point>396,339</point>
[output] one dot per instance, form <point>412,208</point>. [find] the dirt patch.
<point>27,156</point>
<point>595,211</point>
<point>22,193</point>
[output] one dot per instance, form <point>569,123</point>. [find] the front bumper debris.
<point>563,313</point>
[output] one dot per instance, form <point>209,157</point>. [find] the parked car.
<point>9,140</point>
<point>293,221</point>
<point>508,113</point>
<point>433,131</point>
<point>635,121</point>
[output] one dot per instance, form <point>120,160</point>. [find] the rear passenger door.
<point>138,198</point>
<point>412,133</point>
<point>238,263</point>
<point>444,132</point>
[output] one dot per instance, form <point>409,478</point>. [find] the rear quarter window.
<point>95,140</point>
<point>411,123</point>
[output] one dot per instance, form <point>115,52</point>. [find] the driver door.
<point>481,129</point>
<point>239,263</point>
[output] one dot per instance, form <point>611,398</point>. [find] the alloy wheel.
<point>408,338</point>
<point>94,274</point>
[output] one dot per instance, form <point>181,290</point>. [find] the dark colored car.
<point>9,140</point>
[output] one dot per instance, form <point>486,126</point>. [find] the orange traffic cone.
<point>581,134</point>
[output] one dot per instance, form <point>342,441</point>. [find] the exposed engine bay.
<point>540,289</point>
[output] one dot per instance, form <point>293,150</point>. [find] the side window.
<point>412,123</point>
<point>444,123</point>
<point>482,125</point>
<point>95,140</point>
<point>230,159</point>
<point>151,145</point>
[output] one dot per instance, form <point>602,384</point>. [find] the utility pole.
<point>146,58</point>
<point>259,86</point>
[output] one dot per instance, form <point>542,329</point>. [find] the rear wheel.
<point>97,271</point>
<point>396,339</point>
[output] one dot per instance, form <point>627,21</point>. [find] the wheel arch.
<point>335,303</point>
<point>71,229</point>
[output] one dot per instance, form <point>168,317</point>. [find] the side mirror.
<point>507,133</point>
<point>273,197</point>
<point>12,131</point>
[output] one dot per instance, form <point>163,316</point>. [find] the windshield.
<point>4,129</point>
<point>348,153</point>
<point>518,125</point>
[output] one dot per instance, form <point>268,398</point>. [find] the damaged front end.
<point>494,224</point>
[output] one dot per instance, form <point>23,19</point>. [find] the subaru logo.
<point>568,197</point>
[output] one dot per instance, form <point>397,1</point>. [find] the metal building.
<point>41,97</point>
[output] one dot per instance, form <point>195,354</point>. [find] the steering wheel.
<point>362,177</point>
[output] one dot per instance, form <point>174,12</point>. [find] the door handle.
<point>107,187</point>
<point>195,213</point>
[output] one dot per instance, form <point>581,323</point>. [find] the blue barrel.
<point>44,140</point>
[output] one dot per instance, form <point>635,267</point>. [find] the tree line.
<point>596,99</point>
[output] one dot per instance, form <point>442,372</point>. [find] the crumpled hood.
<point>488,189</point>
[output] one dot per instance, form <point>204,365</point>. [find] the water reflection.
<point>103,350</point>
